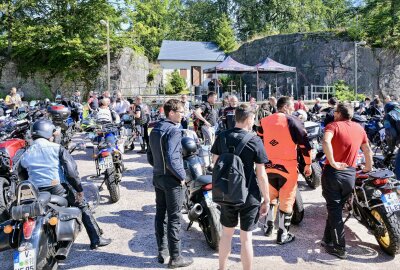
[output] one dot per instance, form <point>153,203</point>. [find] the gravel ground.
<point>130,225</point>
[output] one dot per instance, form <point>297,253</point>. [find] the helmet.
<point>42,128</point>
<point>189,146</point>
<point>59,98</point>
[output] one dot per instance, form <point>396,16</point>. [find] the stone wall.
<point>129,72</point>
<point>322,59</point>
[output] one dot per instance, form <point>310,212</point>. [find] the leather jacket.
<point>48,164</point>
<point>165,151</point>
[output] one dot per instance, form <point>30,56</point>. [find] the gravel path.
<point>130,224</point>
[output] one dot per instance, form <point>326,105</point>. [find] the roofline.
<point>190,60</point>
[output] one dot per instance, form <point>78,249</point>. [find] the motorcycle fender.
<point>5,238</point>
<point>69,225</point>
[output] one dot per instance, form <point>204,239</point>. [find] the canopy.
<point>270,66</point>
<point>230,66</point>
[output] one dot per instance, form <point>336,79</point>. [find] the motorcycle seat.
<point>204,179</point>
<point>381,174</point>
<point>60,201</point>
<point>44,198</point>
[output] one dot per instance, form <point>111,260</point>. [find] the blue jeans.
<point>397,166</point>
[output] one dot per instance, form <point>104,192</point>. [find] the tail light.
<point>207,187</point>
<point>105,154</point>
<point>380,182</point>
<point>28,227</point>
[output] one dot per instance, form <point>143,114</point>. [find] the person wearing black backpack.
<point>392,132</point>
<point>250,150</point>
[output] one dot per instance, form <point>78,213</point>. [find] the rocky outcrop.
<point>322,59</point>
<point>129,72</point>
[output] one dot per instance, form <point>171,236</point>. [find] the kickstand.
<point>190,225</point>
<point>101,186</point>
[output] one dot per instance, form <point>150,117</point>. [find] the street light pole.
<point>107,24</point>
<point>356,44</point>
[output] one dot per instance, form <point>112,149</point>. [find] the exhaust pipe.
<point>63,252</point>
<point>195,212</point>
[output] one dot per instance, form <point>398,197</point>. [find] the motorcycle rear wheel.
<point>112,185</point>
<point>314,180</point>
<point>4,214</point>
<point>389,241</point>
<point>211,226</point>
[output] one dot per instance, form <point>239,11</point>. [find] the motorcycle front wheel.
<point>314,180</point>
<point>112,185</point>
<point>211,225</point>
<point>387,235</point>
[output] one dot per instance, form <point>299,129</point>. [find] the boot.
<point>143,150</point>
<point>269,224</point>
<point>284,236</point>
<point>92,229</point>
<point>162,256</point>
<point>180,262</point>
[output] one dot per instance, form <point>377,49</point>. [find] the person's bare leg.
<point>225,246</point>
<point>246,251</point>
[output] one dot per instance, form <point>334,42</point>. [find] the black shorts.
<point>248,214</point>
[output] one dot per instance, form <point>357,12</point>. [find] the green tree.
<point>224,35</point>
<point>382,22</point>
<point>175,84</point>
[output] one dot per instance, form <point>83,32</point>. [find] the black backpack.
<point>228,177</point>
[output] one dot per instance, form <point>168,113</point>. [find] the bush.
<point>176,84</point>
<point>344,92</point>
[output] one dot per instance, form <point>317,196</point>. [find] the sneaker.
<point>338,252</point>
<point>162,256</point>
<point>180,262</point>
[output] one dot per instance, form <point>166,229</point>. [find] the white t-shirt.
<point>104,115</point>
<point>122,106</point>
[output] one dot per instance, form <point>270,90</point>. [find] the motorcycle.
<point>10,152</point>
<point>375,203</point>
<point>198,196</point>
<point>61,118</point>
<point>41,230</point>
<point>108,158</point>
<point>128,131</point>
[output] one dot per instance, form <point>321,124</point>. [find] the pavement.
<point>129,223</point>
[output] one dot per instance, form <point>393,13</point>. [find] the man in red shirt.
<point>342,140</point>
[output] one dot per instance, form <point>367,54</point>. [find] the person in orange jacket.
<point>282,134</point>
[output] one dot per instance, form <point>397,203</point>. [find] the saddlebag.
<point>69,224</point>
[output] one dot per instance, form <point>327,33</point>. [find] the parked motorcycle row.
<point>40,227</point>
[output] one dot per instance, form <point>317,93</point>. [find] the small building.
<point>190,58</point>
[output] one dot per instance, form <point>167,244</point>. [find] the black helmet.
<point>43,128</point>
<point>189,146</point>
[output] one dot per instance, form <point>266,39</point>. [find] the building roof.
<point>190,51</point>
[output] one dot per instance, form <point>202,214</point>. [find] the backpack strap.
<point>224,146</point>
<point>243,143</point>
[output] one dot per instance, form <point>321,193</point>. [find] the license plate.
<point>208,197</point>
<point>391,202</point>
<point>25,260</point>
<point>105,163</point>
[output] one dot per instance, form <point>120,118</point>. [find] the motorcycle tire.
<point>298,209</point>
<point>389,241</point>
<point>211,225</point>
<point>48,251</point>
<point>112,185</point>
<point>4,214</point>
<point>314,180</point>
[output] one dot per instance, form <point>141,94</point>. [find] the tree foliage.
<point>224,35</point>
<point>175,84</point>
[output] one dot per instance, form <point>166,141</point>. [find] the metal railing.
<point>324,92</point>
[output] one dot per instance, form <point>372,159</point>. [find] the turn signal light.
<point>207,187</point>
<point>8,229</point>
<point>380,182</point>
<point>53,221</point>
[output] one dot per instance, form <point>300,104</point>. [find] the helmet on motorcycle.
<point>189,146</point>
<point>42,128</point>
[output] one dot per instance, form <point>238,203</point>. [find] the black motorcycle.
<point>375,203</point>
<point>128,131</point>
<point>198,195</point>
<point>41,230</point>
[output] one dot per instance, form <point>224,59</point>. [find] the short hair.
<point>283,101</point>
<point>211,94</point>
<point>243,112</point>
<point>367,99</point>
<point>332,101</point>
<point>172,105</point>
<point>345,110</point>
<point>105,101</point>
<point>318,99</point>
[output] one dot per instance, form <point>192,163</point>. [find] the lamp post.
<point>107,24</point>
<point>356,44</point>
